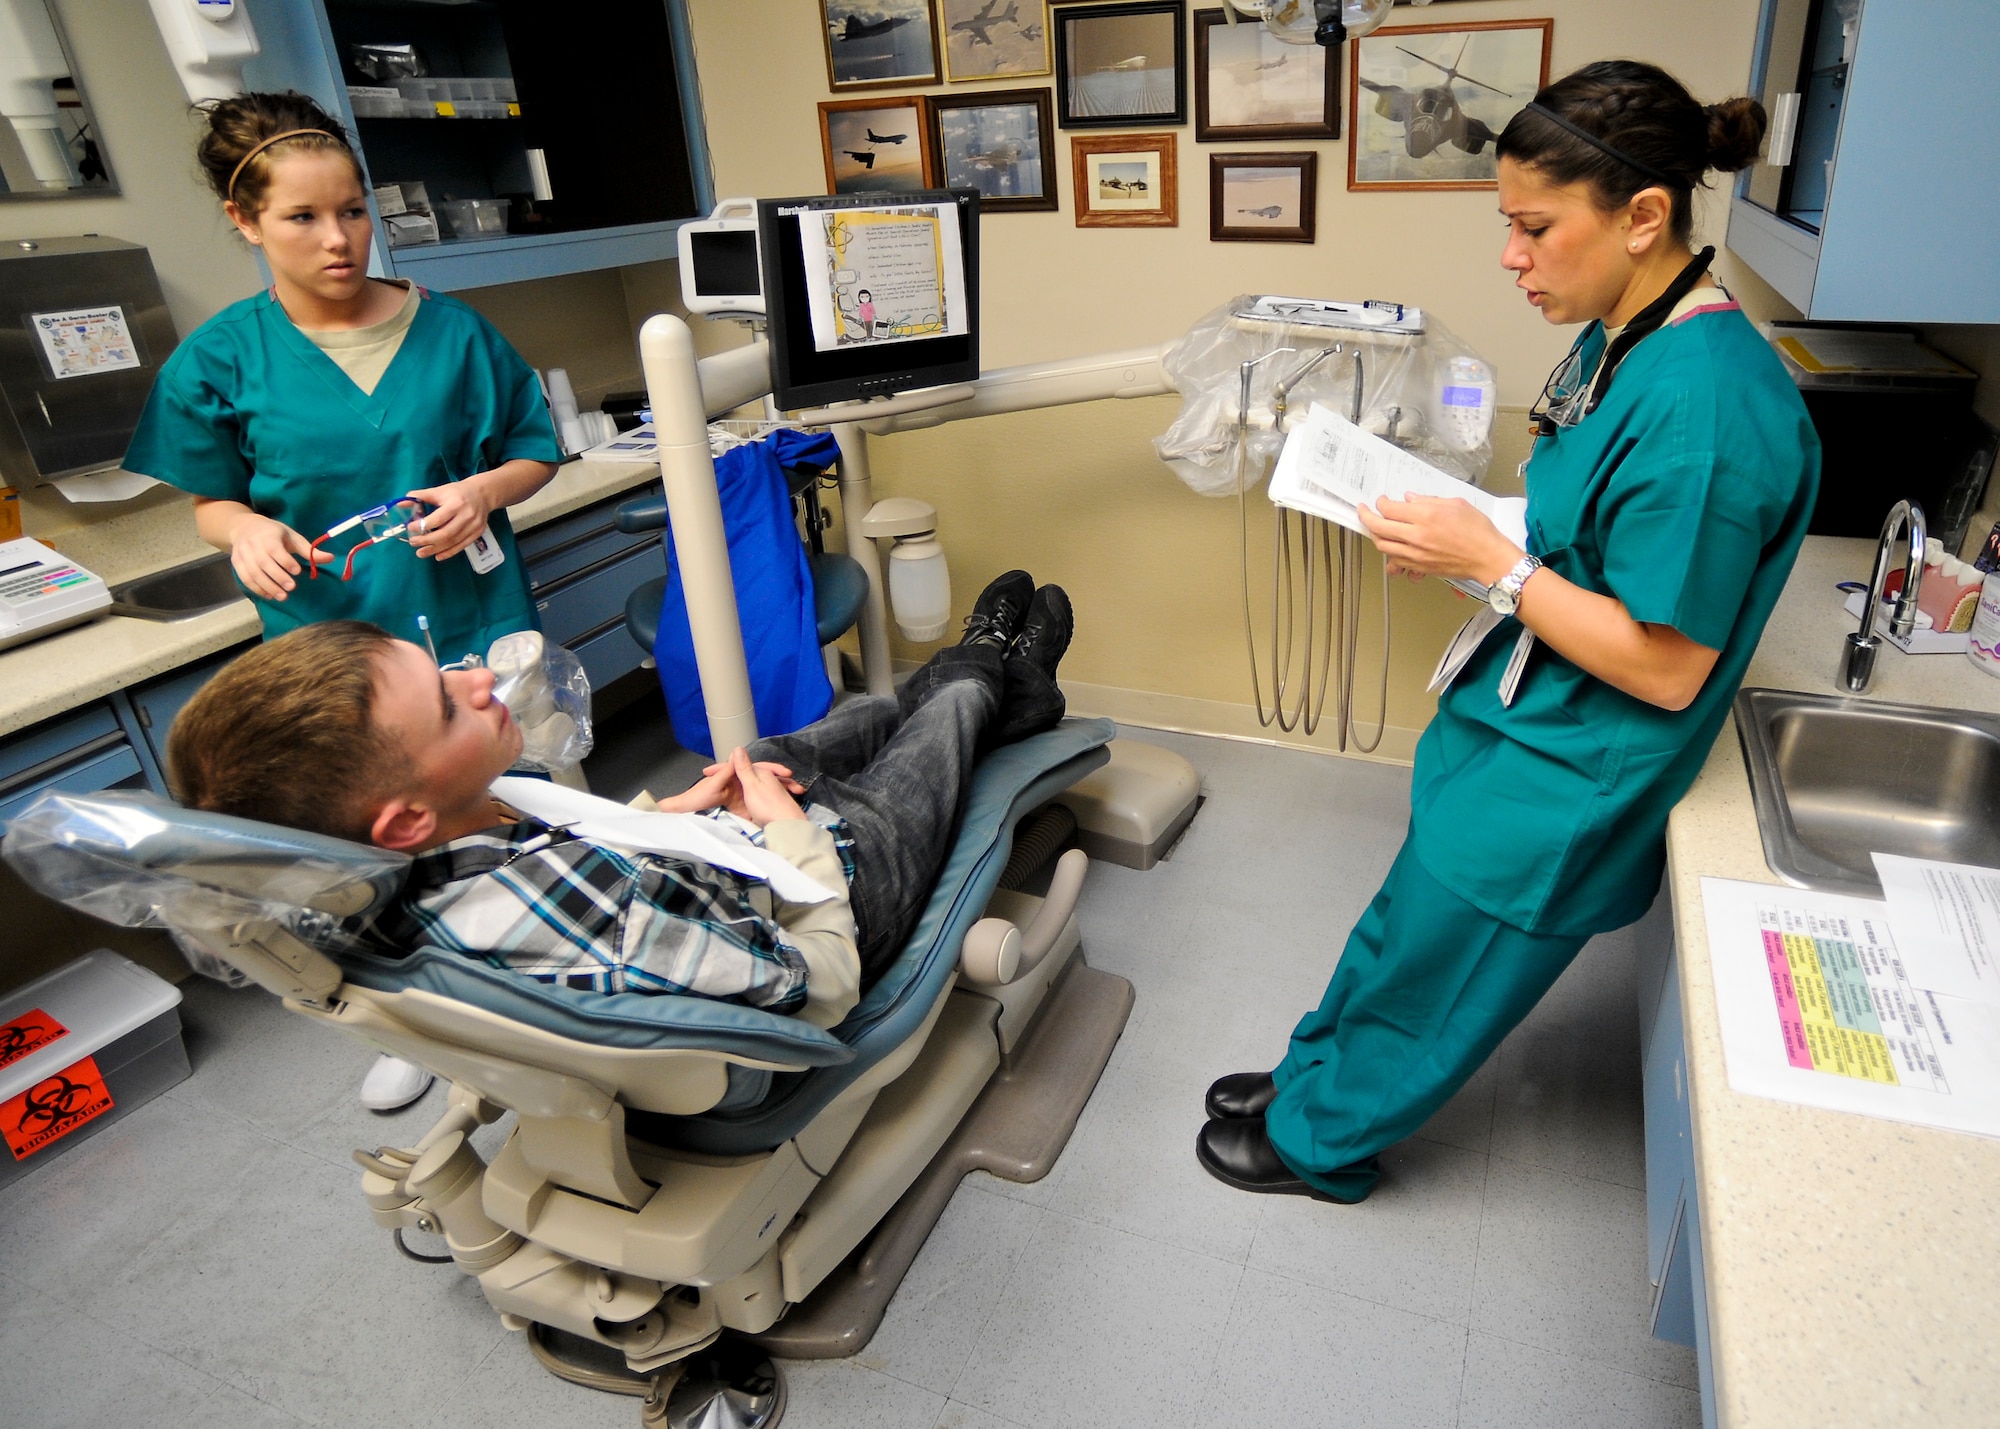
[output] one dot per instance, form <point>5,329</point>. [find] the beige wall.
<point>1075,495</point>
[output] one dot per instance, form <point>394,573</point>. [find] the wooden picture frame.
<point>892,131</point>
<point>1109,70</point>
<point>1488,69</point>
<point>1263,198</point>
<point>896,44</point>
<point>1012,48</point>
<point>1102,165</point>
<point>1001,142</point>
<point>1235,96</point>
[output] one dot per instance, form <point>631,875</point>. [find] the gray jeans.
<point>899,777</point>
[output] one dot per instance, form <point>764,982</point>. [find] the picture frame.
<point>873,44</point>
<point>880,145</point>
<point>1263,197</point>
<point>999,141</point>
<point>1126,180</point>
<point>1248,84</point>
<point>989,39</point>
<point>1111,70</point>
<point>1477,75</point>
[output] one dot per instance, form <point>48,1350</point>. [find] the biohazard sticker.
<point>30,1032</point>
<point>54,1107</point>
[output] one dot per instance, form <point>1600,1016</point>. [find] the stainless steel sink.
<point>1836,779</point>
<point>179,593</point>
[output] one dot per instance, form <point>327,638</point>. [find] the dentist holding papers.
<point>1672,480</point>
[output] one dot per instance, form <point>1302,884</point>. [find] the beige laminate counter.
<point>1853,1264</point>
<point>48,676</point>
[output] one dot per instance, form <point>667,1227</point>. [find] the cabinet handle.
<point>1784,130</point>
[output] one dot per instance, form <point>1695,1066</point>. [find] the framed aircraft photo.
<point>870,43</point>
<point>876,145</point>
<point>1262,198</point>
<point>1249,84</point>
<point>999,141</point>
<point>994,39</point>
<point>1429,100</point>
<point>1126,180</point>
<point>1120,66</point>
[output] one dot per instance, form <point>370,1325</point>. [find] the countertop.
<point>59,672</point>
<point>1853,1264</point>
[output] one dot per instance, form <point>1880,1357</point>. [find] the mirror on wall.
<point>49,144</point>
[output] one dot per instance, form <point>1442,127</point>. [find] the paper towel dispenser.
<point>83,331</point>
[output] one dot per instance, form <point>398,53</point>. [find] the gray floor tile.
<point>1132,1167</point>
<point>1466,1121</point>
<point>509,1387</point>
<point>840,1394</point>
<point>959,1276</point>
<point>271,1069</point>
<point>231,1408</point>
<point>1562,1267</point>
<point>964,1416</point>
<point>1100,1328</point>
<point>1413,1245</point>
<point>62,1369</point>
<point>1570,1101</point>
<point>1512,1386</point>
<point>1298,1354</point>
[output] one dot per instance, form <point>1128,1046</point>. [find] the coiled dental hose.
<point>1315,614</point>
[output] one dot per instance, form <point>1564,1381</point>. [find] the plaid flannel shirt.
<point>564,910</point>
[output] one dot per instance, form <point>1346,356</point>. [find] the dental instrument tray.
<point>1371,316</point>
<point>41,592</point>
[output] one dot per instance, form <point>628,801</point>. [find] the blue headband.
<point>1670,184</point>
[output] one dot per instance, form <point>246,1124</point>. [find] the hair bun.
<point>1735,133</point>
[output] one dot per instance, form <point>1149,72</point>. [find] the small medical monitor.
<point>870,294</point>
<point>719,266</point>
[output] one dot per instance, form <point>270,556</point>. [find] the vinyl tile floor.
<point>207,1260</point>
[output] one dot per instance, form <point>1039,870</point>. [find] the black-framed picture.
<point>876,145</point>
<point>1263,198</point>
<point>1249,84</point>
<point>994,39</point>
<point>1001,142</point>
<point>1121,66</point>
<point>879,42</point>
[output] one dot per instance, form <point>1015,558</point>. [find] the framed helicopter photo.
<point>1429,100</point>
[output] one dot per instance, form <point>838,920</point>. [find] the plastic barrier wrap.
<point>140,862</point>
<point>1421,386</point>
<point>546,690</point>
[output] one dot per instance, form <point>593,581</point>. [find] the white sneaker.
<point>392,1084</point>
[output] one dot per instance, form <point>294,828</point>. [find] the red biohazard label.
<point>30,1032</point>
<point>54,1107</point>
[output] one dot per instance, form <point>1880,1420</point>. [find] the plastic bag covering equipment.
<point>774,596</point>
<point>97,853</point>
<point>547,692</point>
<point>1414,387</point>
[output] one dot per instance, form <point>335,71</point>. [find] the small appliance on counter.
<point>42,592</point>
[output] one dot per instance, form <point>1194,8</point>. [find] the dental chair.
<point>688,1186</point>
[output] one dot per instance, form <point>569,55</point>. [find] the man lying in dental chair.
<point>338,728</point>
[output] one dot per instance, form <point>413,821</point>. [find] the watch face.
<point>1501,598</point>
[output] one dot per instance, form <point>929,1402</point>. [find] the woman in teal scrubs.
<point>333,392</point>
<point>1671,484</point>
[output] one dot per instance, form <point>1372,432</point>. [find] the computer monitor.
<point>870,294</point>
<point>718,267</point>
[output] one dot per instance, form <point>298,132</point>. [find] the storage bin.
<point>375,101</point>
<point>472,217</point>
<point>80,1048</point>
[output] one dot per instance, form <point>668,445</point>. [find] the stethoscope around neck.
<point>1563,404</point>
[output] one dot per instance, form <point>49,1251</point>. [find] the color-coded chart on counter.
<point>1820,1005</point>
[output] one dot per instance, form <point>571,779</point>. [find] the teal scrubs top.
<point>248,409</point>
<point>1685,495</point>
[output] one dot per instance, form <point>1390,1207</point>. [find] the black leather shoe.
<point>1239,1154</point>
<point>998,614</point>
<point>1240,1096</point>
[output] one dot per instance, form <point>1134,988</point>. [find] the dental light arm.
<point>1136,372</point>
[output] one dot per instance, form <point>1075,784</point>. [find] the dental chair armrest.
<point>642,513</point>
<point>996,952</point>
<point>274,959</point>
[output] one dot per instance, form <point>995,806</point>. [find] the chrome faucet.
<point>1857,660</point>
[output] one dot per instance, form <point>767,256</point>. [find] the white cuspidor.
<point>1983,650</point>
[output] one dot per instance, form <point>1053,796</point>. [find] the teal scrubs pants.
<point>1426,988</point>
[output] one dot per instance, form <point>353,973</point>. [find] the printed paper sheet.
<point>86,340</point>
<point>884,275</point>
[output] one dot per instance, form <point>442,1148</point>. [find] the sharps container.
<point>79,1048</point>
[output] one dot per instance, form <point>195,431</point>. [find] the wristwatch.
<point>1504,595</point>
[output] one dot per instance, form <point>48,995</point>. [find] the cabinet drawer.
<point>562,549</point>
<point>608,654</point>
<point>112,766</point>
<point>576,609</point>
<point>65,734</point>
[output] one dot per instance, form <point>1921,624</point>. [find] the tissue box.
<point>80,1048</point>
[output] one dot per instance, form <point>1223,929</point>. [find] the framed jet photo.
<point>870,43</point>
<point>876,145</point>
<point>1121,66</point>
<point>1001,142</point>
<point>994,39</point>
<point>1249,84</point>
<point>1126,180</point>
<point>1262,198</point>
<point>1429,100</point>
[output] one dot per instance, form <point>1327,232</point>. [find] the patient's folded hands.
<point>722,786</point>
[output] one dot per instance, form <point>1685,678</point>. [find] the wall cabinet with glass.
<point>506,139</point>
<point>1879,194</point>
